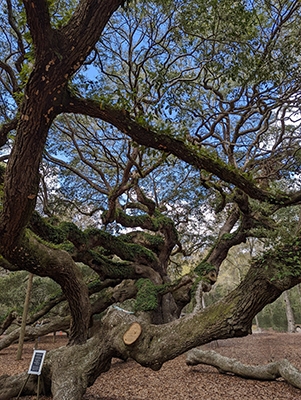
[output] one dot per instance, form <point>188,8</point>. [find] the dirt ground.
<point>177,381</point>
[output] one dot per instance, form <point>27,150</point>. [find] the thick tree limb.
<point>38,19</point>
<point>42,260</point>
<point>231,317</point>
<point>11,385</point>
<point>108,296</point>
<point>32,332</point>
<point>6,265</point>
<point>10,72</point>
<point>146,136</point>
<point>58,54</point>
<point>279,369</point>
<point>84,29</point>
<point>5,129</point>
<point>8,321</point>
<point>227,240</point>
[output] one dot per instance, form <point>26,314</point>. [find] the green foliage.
<point>61,11</point>
<point>217,77</point>
<point>14,298</point>
<point>13,289</point>
<point>273,316</point>
<point>228,236</point>
<point>89,275</point>
<point>285,258</point>
<point>111,269</point>
<point>204,268</point>
<point>2,171</point>
<point>131,220</point>
<point>67,246</point>
<point>147,296</point>
<point>75,234</point>
<point>132,252</point>
<point>48,229</point>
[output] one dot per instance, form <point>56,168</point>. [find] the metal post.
<point>23,386</point>
<point>38,394</point>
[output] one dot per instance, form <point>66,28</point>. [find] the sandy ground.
<point>176,380</point>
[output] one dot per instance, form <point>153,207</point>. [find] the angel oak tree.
<point>231,125</point>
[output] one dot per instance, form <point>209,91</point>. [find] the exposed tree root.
<point>78,366</point>
<point>11,385</point>
<point>272,371</point>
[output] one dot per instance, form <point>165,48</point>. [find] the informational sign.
<point>37,360</point>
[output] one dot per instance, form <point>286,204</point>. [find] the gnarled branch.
<point>278,369</point>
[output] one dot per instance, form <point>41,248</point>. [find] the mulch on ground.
<point>177,381</point>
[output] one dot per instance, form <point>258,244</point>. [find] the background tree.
<point>124,130</point>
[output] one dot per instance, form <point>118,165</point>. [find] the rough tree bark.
<point>122,120</point>
<point>106,297</point>
<point>272,371</point>
<point>78,367</point>
<point>8,321</point>
<point>58,54</point>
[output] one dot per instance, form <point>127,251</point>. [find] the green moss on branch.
<point>147,296</point>
<point>110,269</point>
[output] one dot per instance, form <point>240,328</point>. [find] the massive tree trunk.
<point>58,54</point>
<point>77,367</point>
